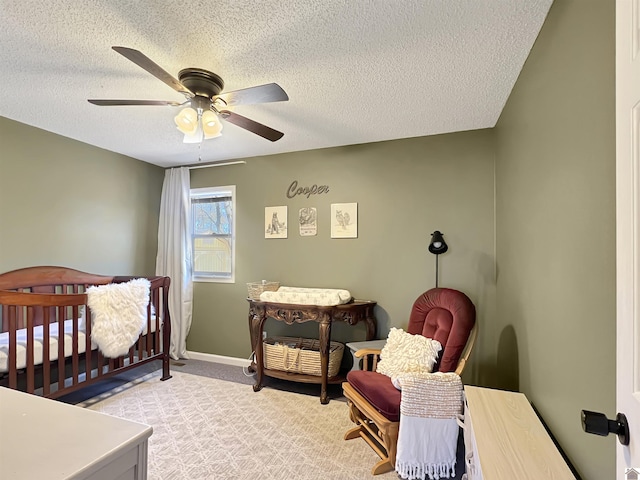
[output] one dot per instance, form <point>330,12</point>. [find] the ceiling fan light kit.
<point>207,103</point>
<point>198,125</point>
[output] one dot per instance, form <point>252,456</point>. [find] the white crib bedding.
<point>38,336</point>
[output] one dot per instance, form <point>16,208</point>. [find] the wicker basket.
<point>300,355</point>
<point>255,289</point>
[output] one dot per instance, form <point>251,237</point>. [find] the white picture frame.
<point>344,220</point>
<point>275,222</point>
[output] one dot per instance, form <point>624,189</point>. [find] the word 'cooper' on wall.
<point>294,190</point>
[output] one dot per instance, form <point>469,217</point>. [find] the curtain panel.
<point>175,255</point>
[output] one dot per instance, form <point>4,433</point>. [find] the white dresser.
<point>505,440</point>
<point>42,438</point>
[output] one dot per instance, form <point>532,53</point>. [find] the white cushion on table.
<point>307,296</point>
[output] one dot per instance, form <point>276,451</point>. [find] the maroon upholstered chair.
<point>374,403</point>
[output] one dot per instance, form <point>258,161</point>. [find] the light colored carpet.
<point>205,428</point>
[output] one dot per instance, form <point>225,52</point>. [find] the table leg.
<point>256,323</point>
<point>325,342</point>
<point>371,324</point>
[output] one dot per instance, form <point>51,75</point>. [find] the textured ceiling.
<point>355,71</point>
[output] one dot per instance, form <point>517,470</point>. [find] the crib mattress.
<point>38,335</point>
<point>307,296</point>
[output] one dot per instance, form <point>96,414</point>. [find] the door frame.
<point>627,228</point>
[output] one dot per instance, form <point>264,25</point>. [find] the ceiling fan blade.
<point>271,92</point>
<point>154,69</point>
<point>112,103</point>
<point>251,125</point>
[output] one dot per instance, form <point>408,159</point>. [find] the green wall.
<point>63,202</point>
<point>538,190</point>
<point>405,189</point>
<point>555,184</point>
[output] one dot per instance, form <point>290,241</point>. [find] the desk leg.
<point>325,342</point>
<point>256,323</point>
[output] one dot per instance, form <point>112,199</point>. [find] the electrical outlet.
<point>264,335</point>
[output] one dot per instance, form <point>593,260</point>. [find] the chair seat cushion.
<point>378,390</point>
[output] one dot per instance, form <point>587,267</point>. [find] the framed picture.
<point>308,221</point>
<point>344,220</point>
<point>275,220</point>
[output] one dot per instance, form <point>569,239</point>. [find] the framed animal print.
<point>307,218</point>
<point>344,220</point>
<point>275,219</point>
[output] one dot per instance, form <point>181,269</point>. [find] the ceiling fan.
<point>206,102</point>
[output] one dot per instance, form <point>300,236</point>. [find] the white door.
<point>628,227</point>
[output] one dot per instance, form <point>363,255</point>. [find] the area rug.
<point>205,428</point>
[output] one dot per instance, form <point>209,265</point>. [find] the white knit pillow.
<point>405,353</point>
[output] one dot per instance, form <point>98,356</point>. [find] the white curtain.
<point>174,255</point>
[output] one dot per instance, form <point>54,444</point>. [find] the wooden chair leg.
<point>377,431</point>
<point>383,466</point>
<point>390,438</point>
<point>353,433</point>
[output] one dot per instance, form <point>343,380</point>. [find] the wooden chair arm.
<point>366,351</point>
<point>366,354</point>
<point>461,364</point>
<point>471,341</point>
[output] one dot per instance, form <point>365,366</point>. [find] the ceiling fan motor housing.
<point>201,82</point>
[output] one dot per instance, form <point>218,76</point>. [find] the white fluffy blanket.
<point>118,315</point>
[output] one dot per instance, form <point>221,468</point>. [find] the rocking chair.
<point>443,314</point>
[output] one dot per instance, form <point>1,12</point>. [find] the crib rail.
<point>56,307</point>
<point>47,276</point>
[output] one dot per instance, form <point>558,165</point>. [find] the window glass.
<point>213,233</point>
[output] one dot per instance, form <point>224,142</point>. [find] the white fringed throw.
<point>428,435</point>
<point>118,315</point>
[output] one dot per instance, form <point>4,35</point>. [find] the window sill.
<point>214,280</point>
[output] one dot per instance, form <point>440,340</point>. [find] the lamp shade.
<point>437,245</point>
<point>187,121</point>
<point>211,125</point>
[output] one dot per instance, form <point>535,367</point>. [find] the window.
<point>213,226</point>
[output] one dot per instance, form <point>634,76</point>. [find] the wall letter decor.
<point>294,190</point>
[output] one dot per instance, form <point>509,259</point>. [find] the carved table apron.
<point>351,313</point>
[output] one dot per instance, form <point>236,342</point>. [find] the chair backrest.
<point>448,316</point>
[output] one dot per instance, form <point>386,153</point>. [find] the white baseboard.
<point>210,357</point>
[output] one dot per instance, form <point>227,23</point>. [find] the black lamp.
<point>437,246</point>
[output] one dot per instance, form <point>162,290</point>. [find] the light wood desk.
<point>43,438</point>
<point>505,440</point>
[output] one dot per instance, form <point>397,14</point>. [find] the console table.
<point>351,313</point>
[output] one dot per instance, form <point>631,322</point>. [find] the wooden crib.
<point>45,341</point>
